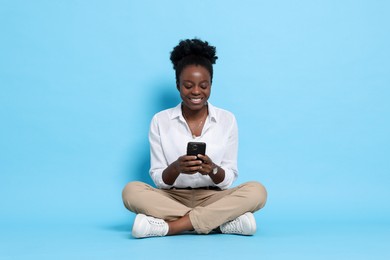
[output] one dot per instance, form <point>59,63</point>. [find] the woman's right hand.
<point>188,164</point>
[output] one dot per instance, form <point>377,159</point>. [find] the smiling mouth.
<point>196,100</point>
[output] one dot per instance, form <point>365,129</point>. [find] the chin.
<point>196,107</point>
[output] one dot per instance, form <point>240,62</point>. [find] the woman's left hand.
<point>207,164</point>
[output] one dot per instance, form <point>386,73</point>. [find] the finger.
<point>189,158</point>
<point>205,170</point>
<point>192,170</point>
<point>205,159</point>
<point>192,163</point>
<point>202,157</point>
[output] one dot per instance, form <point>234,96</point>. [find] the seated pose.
<point>193,191</point>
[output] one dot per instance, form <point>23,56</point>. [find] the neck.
<point>194,114</point>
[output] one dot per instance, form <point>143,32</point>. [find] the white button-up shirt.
<point>169,135</point>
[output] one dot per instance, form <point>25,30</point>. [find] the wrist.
<point>214,170</point>
<point>170,174</point>
<point>217,174</point>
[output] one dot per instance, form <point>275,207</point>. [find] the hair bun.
<point>193,47</point>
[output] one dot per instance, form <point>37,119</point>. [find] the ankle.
<point>180,225</point>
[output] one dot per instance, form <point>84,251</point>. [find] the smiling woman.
<point>193,191</point>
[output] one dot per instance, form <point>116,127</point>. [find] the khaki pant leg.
<point>223,206</point>
<point>140,197</point>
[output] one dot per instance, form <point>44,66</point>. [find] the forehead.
<point>195,72</point>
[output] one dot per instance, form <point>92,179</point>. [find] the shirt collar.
<point>177,113</point>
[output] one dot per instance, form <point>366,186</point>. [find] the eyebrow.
<point>190,81</point>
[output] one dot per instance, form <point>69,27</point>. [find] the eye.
<point>204,85</point>
<point>187,85</point>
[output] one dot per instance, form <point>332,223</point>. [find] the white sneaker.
<point>145,226</point>
<point>243,225</point>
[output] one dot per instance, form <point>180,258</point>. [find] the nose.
<point>196,90</point>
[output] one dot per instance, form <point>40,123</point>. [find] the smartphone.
<point>195,148</point>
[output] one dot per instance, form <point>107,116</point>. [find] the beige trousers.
<point>207,209</point>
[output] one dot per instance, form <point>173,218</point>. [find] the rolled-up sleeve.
<point>157,159</point>
<point>229,161</point>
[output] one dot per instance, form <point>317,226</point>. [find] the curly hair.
<point>193,52</point>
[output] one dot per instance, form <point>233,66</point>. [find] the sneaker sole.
<point>137,222</point>
<point>252,222</point>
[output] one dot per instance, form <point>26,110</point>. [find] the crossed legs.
<point>199,210</point>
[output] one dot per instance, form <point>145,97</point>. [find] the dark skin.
<point>194,86</point>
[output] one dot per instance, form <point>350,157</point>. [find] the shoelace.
<point>156,226</point>
<point>233,226</point>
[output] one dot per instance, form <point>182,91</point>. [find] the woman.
<point>193,191</point>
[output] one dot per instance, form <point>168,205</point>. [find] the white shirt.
<point>169,135</point>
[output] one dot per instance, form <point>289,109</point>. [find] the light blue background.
<point>307,80</point>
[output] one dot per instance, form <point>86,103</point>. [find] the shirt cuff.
<point>230,177</point>
<point>158,181</point>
